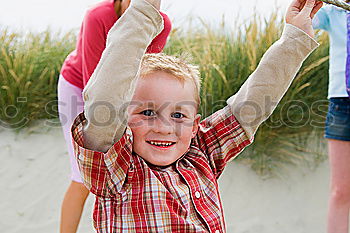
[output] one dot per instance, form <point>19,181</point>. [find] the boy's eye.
<point>148,112</point>
<point>177,115</point>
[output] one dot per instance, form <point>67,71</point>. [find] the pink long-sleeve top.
<point>81,63</point>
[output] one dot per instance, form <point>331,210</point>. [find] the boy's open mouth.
<point>161,144</point>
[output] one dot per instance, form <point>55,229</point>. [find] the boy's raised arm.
<point>260,94</point>
<point>112,84</point>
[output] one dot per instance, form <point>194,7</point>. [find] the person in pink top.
<point>75,73</point>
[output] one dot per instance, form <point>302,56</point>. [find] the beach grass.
<point>30,64</point>
<point>29,69</point>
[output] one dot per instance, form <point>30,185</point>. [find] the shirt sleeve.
<point>111,86</point>
<point>104,174</point>
<point>221,138</point>
<point>321,20</point>
<point>93,44</point>
<point>262,91</point>
<point>94,41</point>
<point>160,41</point>
<point>223,135</point>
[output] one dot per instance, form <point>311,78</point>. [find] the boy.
<point>141,147</point>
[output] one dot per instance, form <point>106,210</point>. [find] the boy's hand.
<point>155,3</point>
<point>301,12</point>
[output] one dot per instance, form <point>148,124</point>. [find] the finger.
<point>293,7</point>
<point>318,6</point>
<point>297,4</point>
<point>308,7</point>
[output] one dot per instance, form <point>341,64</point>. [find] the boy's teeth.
<point>161,143</point>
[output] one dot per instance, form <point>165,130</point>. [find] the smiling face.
<point>163,117</point>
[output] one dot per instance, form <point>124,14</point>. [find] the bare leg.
<point>72,207</point>
<point>71,103</point>
<point>339,202</point>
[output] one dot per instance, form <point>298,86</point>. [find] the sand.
<point>34,174</point>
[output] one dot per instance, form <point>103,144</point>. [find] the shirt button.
<point>217,231</point>
<point>197,194</point>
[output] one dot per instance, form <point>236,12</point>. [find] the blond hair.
<point>179,67</point>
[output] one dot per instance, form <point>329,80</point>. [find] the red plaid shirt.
<point>134,196</point>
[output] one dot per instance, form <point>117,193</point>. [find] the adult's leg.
<point>70,105</point>
<point>72,207</point>
<point>339,202</point>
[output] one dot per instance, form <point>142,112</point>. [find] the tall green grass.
<point>29,68</point>
<point>30,64</point>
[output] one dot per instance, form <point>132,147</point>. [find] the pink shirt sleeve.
<point>93,43</point>
<point>159,41</point>
<point>94,35</point>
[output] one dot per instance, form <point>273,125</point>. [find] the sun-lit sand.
<point>34,176</point>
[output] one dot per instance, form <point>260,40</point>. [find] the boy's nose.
<point>163,126</point>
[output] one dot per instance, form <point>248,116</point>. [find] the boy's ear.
<point>195,125</point>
